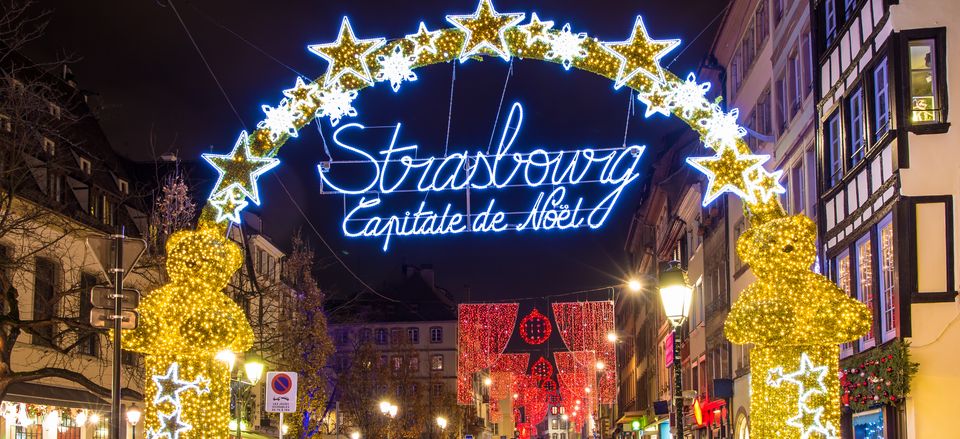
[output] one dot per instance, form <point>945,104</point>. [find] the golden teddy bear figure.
<point>795,319</point>
<point>183,325</point>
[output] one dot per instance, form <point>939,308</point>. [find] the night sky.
<point>157,96</point>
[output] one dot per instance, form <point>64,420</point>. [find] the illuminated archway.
<point>795,317</point>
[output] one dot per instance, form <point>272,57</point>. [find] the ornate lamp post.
<point>676,295</point>
<point>253,367</point>
<point>133,417</point>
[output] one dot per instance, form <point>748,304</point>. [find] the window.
<point>49,146</point>
<point>436,334</point>
<point>881,100</point>
<point>55,185</point>
<point>395,335</point>
<point>123,186</point>
<point>778,10</point>
<point>782,103</point>
<point>868,425</point>
<point>830,20</point>
<point>848,6</point>
<point>413,335</point>
<point>365,334</point>
<point>925,99</point>
<point>858,141</point>
<point>381,336</point>
<point>763,26</point>
<point>107,212</point>
<point>834,142</point>
<point>865,283</point>
<point>397,362</point>
<point>436,389</point>
<point>743,428</point>
<point>414,363</point>
<point>797,187</point>
<point>696,317</point>
<point>343,337</point>
<point>6,125</point>
<point>44,291</point>
<point>436,362</point>
<point>54,110</point>
<point>90,343</point>
<point>806,60</point>
<point>888,317</point>
<point>763,124</point>
<point>796,87</point>
<point>735,72</point>
<point>843,281</point>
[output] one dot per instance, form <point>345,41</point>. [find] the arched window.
<point>743,429</point>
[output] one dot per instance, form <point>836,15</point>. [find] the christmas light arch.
<point>635,62</point>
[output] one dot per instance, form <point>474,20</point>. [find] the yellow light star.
<point>728,171</point>
<point>639,54</point>
<point>303,96</point>
<point>536,30</point>
<point>657,100</point>
<point>347,55</point>
<point>424,40</point>
<point>485,30</point>
<point>766,183</point>
<point>229,205</point>
<point>239,169</point>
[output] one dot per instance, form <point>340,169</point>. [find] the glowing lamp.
<point>635,425</point>
<point>355,435</point>
<point>384,407</point>
<point>675,293</point>
<point>227,357</point>
<point>634,285</point>
<point>80,419</point>
<point>600,365</point>
<point>442,422</point>
<point>254,368</point>
<point>697,412</point>
<point>393,411</point>
<point>612,337</point>
<point>94,418</point>
<point>564,417</point>
<point>133,415</point>
<point>487,382</point>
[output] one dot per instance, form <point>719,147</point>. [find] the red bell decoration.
<point>535,328</point>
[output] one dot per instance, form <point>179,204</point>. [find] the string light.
<point>424,40</point>
<point>535,328</point>
<point>183,326</point>
<point>720,129</point>
<point>727,171</point>
<point>689,96</point>
<point>583,327</point>
<point>483,330</point>
<point>280,121</point>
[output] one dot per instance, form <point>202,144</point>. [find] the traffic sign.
<point>281,392</point>
<point>103,318</point>
<point>104,249</point>
<point>102,297</point>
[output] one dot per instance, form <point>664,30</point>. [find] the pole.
<point>281,426</point>
<point>117,322</point>
<point>677,386</point>
<point>236,406</point>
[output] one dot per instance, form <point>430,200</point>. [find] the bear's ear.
<point>744,243</point>
<point>806,223</point>
<point>174,239</point>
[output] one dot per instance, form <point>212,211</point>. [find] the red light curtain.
<point>584,327</point>
<point>483,331</point>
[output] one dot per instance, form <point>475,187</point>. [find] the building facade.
<point>887,183</point>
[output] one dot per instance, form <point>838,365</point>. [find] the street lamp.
<point>676,295</point>
<point>634,285</point>
<point>355,435</point>
<point>253,367</point>
<point>133,417</point>
<point>388,409</point>
<point>442,423</point>
<point>612,337</point>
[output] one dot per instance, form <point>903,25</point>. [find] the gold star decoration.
<point>424,40</point>
<point>303,96</point>
<point>728,171</point>
<point>347,55</point>
<point>239,169</point>
<point>639,54</point>
<point>536,30</point>
<point>766,183</point>
<point>657,100</point>
<point>485,30</point>
<point>229,205</point>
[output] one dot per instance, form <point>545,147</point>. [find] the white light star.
<point>170,386</point>
<point>480,20</point>
<point>631,62</point>
<point>280,120</point>
<point>776,377</point>
<point>536,30</point>
<point>722,128</point>
<point>335,103</point>
<point>347,55</point>
<point>424,40</point>
<point>690,96</point>
<point>567,46</point>
<point>656,94</point>
<point>229,205</point>
<point>396,67</point>
<point>252,167</point>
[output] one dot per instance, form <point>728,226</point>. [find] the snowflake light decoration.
<point>721,129</point>
<point>280,120</point>
<point>567,46</point>
<point>690,96</point>
<point>395,68</point>
<point>335,103</point>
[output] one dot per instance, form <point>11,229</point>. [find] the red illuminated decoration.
<point>550,386</point>
<point>483,331</point>
<point>542,369</point>
<point>535,328</point>
<point>576,371</point>
<point>707,412</point>
<point>584,326</point>
<point>505,372</point>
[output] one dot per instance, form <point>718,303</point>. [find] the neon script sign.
<point>551,173</point>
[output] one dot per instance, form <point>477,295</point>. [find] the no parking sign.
<point>281,392</point>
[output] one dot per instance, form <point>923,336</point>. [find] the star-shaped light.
<point>424,40</point>
<point>808,420</point>
<point>722,129</point>
<point>302,96</point>
<point>536,30</point>
<point>639,54</point>
<point>335,103</point>
<point>280,120</point>
<point>396,67</point>
<point>690,96</point>
<point>657,100</point>
<point>170,386</point>
<point>347,55</point>
<point>229,205</point>
<point>728,171</point>
<point>485,29</point>
<point>807,374</point>
<point>567,46</point>
<point>240,169</point>
<point>767,184</point>
<point>171,426</point>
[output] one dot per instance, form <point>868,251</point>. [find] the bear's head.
<point>784,246</point>
<point>202,259</point>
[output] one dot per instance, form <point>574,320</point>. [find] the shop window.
<point>865,284</point>
<point>855,125</point>
<point>926,76</point>
<point>743,427</point>
<point>881,100</point>
<point>868,425</point>
<point>888,304</point>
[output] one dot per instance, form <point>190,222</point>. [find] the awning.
<point>629,417</point>
<point>33,393</point>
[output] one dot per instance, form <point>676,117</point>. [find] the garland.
<point>880,376</point>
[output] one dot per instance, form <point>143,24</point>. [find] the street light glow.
<point>254,368</point>
<point>612,337</point>
<point>442,422</point>
<point>600,365</point>
<point>487,382</point>
<point>133,415</point>
<point>634,285</point>
<point>355,435</point>
<point>385,407</point>
<point>228,357</point>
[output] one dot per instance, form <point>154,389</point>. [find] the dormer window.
<point>6,125</point>
<point>86,167</point>
<point>54,110</point>
<point>49,146</point>
<point>124,186</point>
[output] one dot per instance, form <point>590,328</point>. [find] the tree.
<point>42,247</point>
